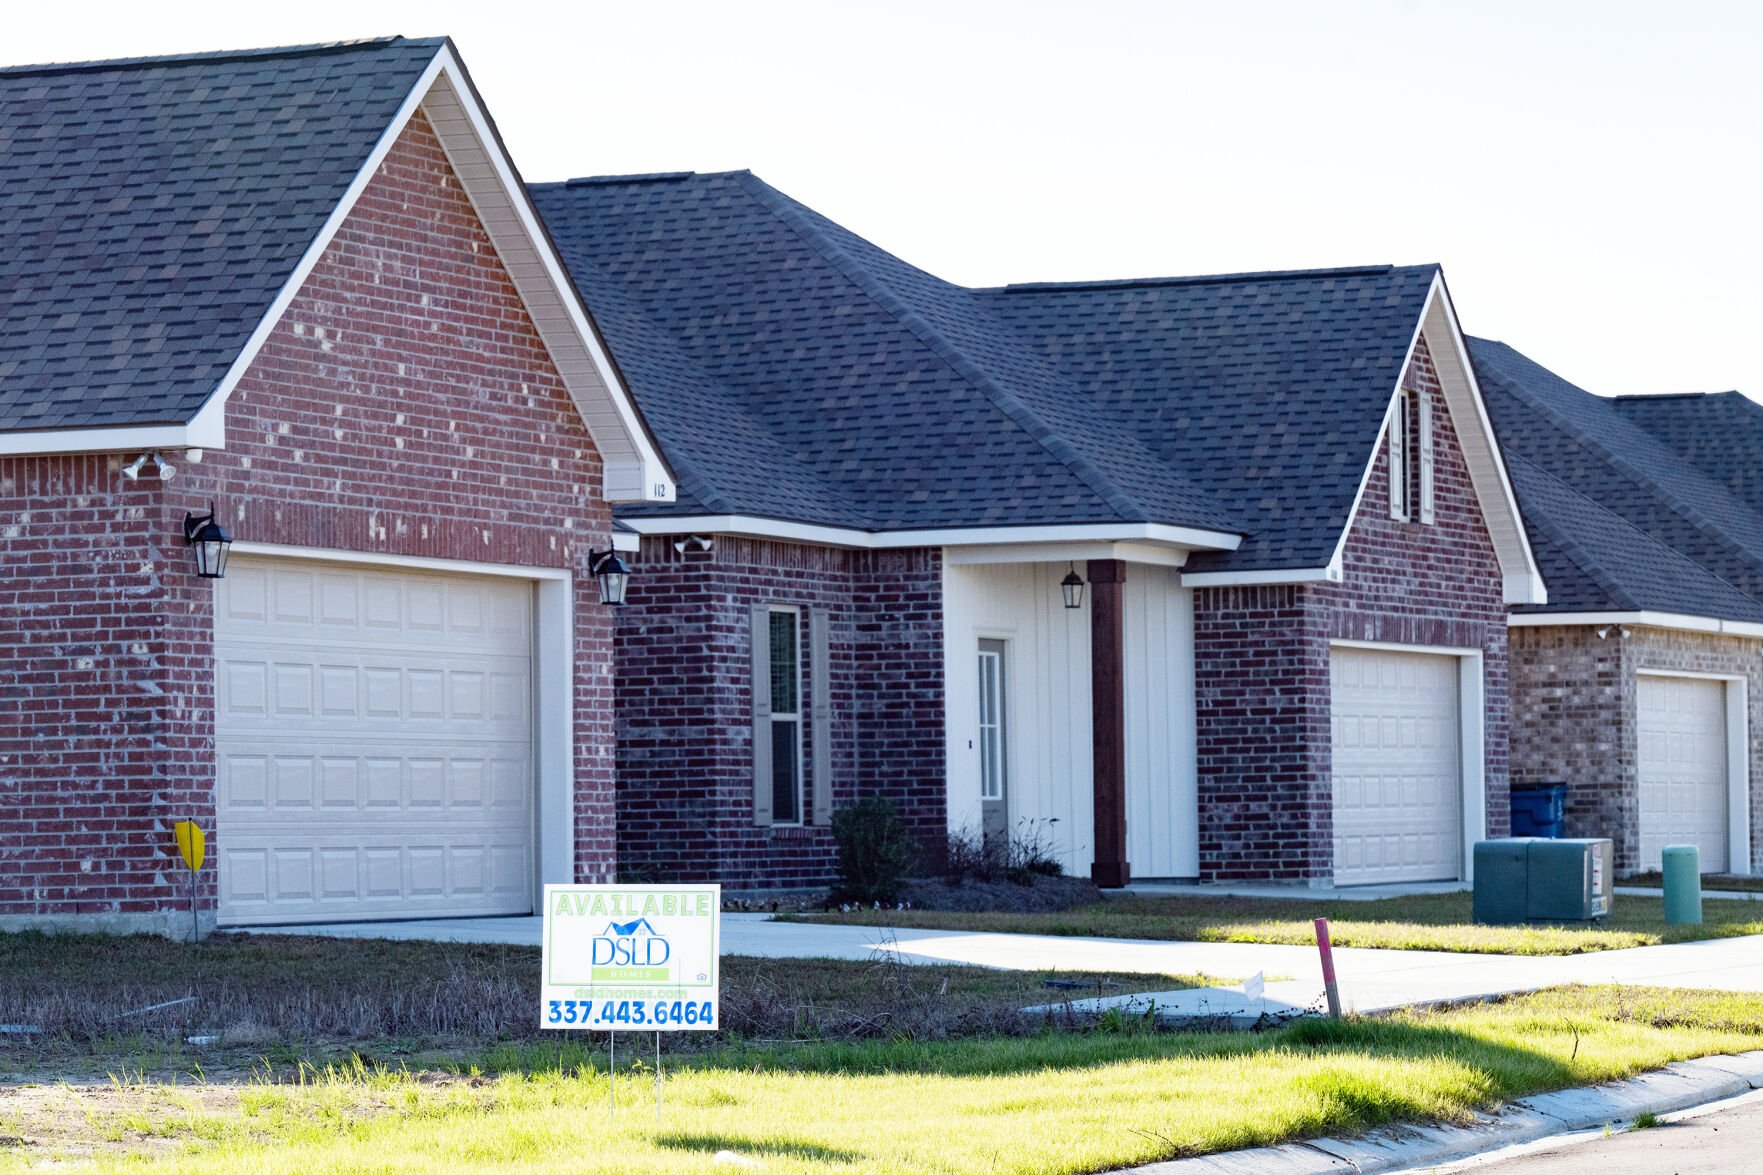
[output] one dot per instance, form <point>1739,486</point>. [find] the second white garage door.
<point>1683,787</point>
<point>375,743</point>
<point>1397,782</point>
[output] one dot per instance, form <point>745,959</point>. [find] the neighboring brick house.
<point>1278,495</point>
<point>1640,683</point>
<point>304,286</point>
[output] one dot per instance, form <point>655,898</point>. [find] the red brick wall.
<point>1578,719</point>
<point>404,404</point>
<point>684,703</point>
<point>1262,665</point>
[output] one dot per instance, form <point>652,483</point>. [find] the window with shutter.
<point>777,715</point>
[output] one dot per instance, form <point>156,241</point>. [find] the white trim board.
<point>408,562</point>
<point>751,526</point>
<point>1521,578</point>
<point>1671,620</point>
<point>632,466</point>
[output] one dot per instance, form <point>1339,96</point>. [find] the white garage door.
<point>374,743</point>
<point>1397,787</point>
<point>1683,768</point>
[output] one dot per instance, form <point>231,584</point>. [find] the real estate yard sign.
<point>632,957</point>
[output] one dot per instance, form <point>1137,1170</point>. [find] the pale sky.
<point>1588,173</point>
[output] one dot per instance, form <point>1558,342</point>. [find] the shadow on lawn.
<point>780,1148</point>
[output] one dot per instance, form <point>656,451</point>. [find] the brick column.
<point>1108,719</point>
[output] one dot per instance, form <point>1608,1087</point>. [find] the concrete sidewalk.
<point>1370,980</point>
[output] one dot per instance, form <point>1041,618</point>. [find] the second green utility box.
<point>1530,879</point>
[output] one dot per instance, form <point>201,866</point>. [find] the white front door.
<point>374,740</point>
<point>1397,767</point>
<point>1683,785</point>
<point>994,745</point>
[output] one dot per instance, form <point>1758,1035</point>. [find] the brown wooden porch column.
<point>1108,719</point>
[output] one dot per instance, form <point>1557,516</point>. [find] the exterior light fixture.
<point>1072,587</point>
<point>612,572</point>
<point>164,468</point>
<point>210,541</point>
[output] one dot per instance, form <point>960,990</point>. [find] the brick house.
<point>303,289</point>
<point>1200,577</point>
<point>1640,683</point>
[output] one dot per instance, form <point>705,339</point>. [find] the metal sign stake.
<point>612,1075</point>
<point>657,1079</point>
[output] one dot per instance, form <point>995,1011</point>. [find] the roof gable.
<point>151,210</point>
<point>255,106</point>
<point>1620,519</point>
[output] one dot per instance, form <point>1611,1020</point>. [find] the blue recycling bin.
<point>1539,809</point>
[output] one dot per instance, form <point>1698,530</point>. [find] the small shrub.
<point>969,858</point>
<point>875,851</point>
<point>1030,852</point>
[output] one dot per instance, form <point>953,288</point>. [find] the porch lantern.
<point>209,542</point>
<point>1072,587</point>
<point>612,573</point>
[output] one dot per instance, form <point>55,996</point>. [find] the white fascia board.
<point>625,541</point>
<point>634,469</point>
<point>1065,553</point>
<point>1521,583</point>
<point>1260,578</point>
<point>1675,620</point>
<point>166,438</point>
<point>1524,583</point>
<point>632,465</point>
<point>838,536</point>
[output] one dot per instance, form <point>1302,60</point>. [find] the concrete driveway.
<point>1370,980</point>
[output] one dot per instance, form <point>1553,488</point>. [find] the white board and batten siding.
<point>1162,794</point>
<point>1047,659</point>
<point>374,742</point>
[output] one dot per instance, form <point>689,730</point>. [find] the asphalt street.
<point>1724,1142</point>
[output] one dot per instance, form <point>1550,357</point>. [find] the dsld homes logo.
<point>628,952</point>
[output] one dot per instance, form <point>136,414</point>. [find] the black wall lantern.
<point>209,540</point>
<point>612,572</point>
<point>1072,587</point>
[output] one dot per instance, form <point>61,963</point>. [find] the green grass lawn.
<point>1432,922</point>
<point>1053,1102</point>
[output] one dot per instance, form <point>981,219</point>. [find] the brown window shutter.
<point>761,631</point>
<point>821,714</point>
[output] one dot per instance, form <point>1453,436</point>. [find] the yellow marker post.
<point>193,848</point>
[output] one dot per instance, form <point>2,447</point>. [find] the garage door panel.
<point>269,690</point>
<point>374,744</point>
<point>1397,790</point>
<point>1683,770</point>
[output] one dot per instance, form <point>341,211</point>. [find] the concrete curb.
<point>1678,1086</point>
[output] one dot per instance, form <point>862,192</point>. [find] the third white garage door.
<point>374,741</point>
<point>1683,768</point>
<point>1397,782</point>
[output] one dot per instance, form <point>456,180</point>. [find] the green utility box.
<point>1530,879</point>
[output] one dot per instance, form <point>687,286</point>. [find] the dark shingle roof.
<point>151,209</point>
<point>1720,433</point>
<point>793,370</point>
<point>1617,520</point>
